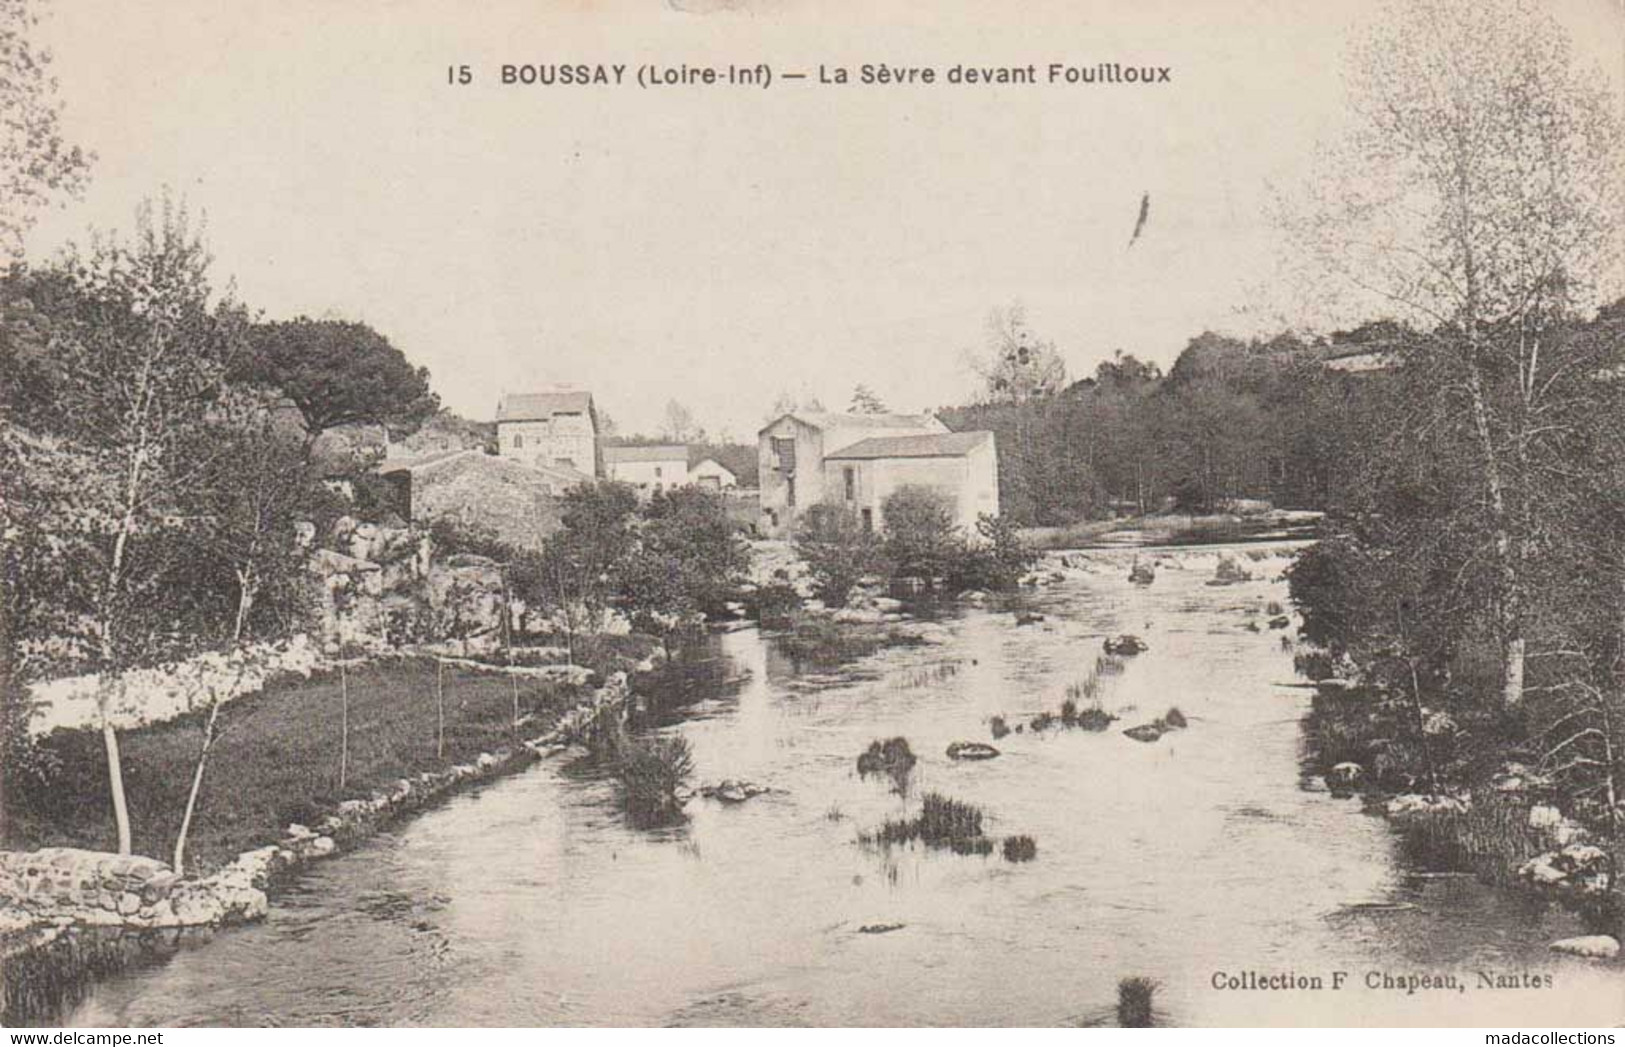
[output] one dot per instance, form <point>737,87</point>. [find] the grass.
<point>1020,848</point>
<point>942,822</point>
<point>276,760</point>
<point>1134,996</point>
<point>650,769</point>
<point>892,756</point>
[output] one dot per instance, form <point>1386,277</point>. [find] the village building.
<point>712,475</point>
<point>649,468</point>
<point>553,428</point>
<point>965,466</point>
<point>802,463</point>
<point>515,501</point>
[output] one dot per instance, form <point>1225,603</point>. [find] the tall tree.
<point>339,373</point>
<point>36,162</point>
<point>1017,365</point>
<point>1478,194</point>
<point>679,425</point>
<point>864,401</point>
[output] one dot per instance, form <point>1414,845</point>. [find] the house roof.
<point>646,453</point>
<point>837,420</point>
<point>714,462</point>
<point>537,407</point>
<point>933,445</point>
<point>422,461</point>
<point>562,474</point>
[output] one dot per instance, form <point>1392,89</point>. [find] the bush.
<point>650,770</point>
<point>1020,848</point>
<point>997,562</point>
<point>838,551</point>
<point>922,540</point>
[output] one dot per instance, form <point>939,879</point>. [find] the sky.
<point>720,245</point>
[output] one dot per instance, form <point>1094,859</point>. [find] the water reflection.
<point>532,902</point>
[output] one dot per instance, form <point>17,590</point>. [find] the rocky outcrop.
<point>1126,644</point>
<point>971,751</point>
<point>731,790</point>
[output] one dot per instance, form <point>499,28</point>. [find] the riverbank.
<point>69,915</point>
<point>1173,529</point>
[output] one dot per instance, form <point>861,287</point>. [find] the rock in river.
<point>1146,732</point>
<point>1591,946</point>
<point>1127,643</point>
<point>731,791</point>
<point>971,751</point>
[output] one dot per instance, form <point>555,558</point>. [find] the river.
<point>530,901</point>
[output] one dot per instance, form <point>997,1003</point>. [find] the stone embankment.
<point>55,893</point>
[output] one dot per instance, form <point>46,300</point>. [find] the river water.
<point>531,901</point>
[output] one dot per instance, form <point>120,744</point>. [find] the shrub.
<point>838,551</point>
<point>892,756</point>
<point>922,540</point>
<point>999,726</point>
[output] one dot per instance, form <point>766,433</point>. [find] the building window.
<point>851,475</point>
<point>790,492</point>
<point>657,472</point>
<point>784,449</point>
<point>868,519</point>
<point>518,440</point>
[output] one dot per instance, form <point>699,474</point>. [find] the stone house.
<point>792,448</point>
<point>965,466</point>
<point>516,501</point>
<point>557,428</point>
<point>649,468</point>
<point>712,474</point>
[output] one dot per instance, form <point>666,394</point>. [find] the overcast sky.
<point>717,245</point>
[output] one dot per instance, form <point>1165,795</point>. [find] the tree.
<point>1017,365</point>
<point>36,162</point>
<point>143,359</point>
<point>679,426</point>
<point>838,551</point>
<point>864,401</point>
<point>339,373</point>
<point>1478,194</point>
<point>921,539</point>
<point>688,564</point>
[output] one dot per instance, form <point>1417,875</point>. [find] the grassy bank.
<point>277,759</point>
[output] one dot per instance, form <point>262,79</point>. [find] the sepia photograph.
<point>759,513</point>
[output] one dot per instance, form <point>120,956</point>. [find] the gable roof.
<point>838,420</point>
<point>539,407</point>
<point>934,445</point>
<point>714,462</point>
<point>646,453</point>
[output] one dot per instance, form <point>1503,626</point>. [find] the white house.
<point>649,468</point>
<point>554,428</point>
<point>712,474</point>
<point>964,466</point>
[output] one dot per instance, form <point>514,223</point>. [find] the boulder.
<point>971,751</point>
<point>1591,946</point>
<point>880,928</point>
<point>1280,622</point>
<point>1229,572</point>
<point>1028,617</point>
<point>1142,573</point>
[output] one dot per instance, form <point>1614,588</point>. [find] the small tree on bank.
<point>838,551</point>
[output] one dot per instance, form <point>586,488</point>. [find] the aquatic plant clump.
<point>1134,998</point>
<point>1020,848</point>
<point>651,771</point>
<point>999,727</point>
<point>892,756</point>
